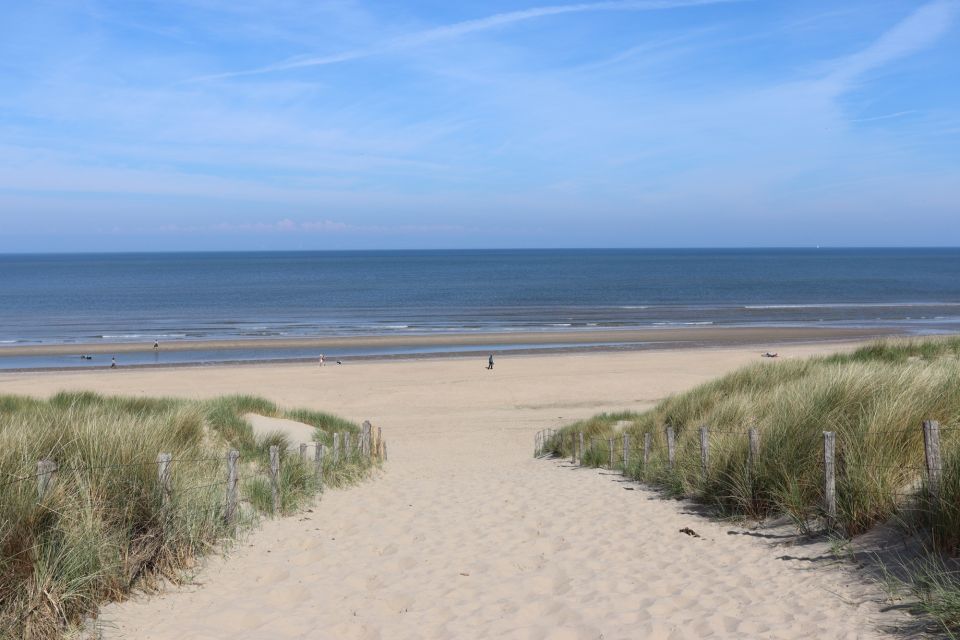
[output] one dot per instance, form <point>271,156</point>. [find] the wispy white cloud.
<point>324,226</point>
<point>886,116</point>
<point>917,31</point>
<point>458,29</point>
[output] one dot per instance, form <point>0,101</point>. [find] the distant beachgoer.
<point>321,359</point>
<point>338,362</point>
<point>156,345</point>
<point>769,355</point>
<point>113,362</point>
<point>490,362</point>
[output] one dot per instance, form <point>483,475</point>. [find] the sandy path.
<point>466,536</point>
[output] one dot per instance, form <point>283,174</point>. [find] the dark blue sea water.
<point>190,296</point>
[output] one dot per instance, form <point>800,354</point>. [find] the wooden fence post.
<point>829,477</point>
<point>347,453</point>
<point>647,437</point>
<point>336,448</point>
<point>164,479</point>
<point>230,510</point>
<point>581,448</point>
<point>626,451</point>
<point>318,461</point>
<point>46,477</point>
<point>610,452</point>
<point>385,452</point>
<point>303,451</point>
<point>573,448</point>
<point>931,449</point>
<point>754,452</point>
<point>704,451</point>
<point>275,478</point>
<point>380,443</point>
<point>365,438</point>
<point>671,448</point>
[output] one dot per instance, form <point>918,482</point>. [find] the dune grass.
<point>875,400</point>
<point>102,530</point>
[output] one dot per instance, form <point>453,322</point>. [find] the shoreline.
<point>263,353</point>
<point>697,335</point>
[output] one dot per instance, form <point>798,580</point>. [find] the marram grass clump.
<point>874,399</point>
<point>102,528</point>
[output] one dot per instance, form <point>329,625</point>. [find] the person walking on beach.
<point>321,359</point>
<point>156,345</point>
<point>490,362</point>
<point>113,362</point>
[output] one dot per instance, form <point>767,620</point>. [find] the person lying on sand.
<point>768,355</point>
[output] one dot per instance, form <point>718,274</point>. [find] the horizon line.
<point>4,254</point>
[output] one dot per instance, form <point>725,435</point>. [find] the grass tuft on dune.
<point>102,531</point>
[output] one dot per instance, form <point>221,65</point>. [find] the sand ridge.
<point>465,535</point>
<point>296,432</point>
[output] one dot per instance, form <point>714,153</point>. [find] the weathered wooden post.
<point>46,477</point>
<point>230,510</point>
<point>336,448</point>
<point>754,452</point>
<point>365,439</point>
<point>704,451</point>
<point>626,451</point>
<point>164,479</point>
<point>573,448</point>
<point>385,452</point>
<point>275,478</point>
<point>671,448</point>
<point>581,448</point>
<point>647,437</point>
<point>347,453</point>
<point>318,461</point>
<point>380,442</point>
<point>830,478</point>
<point>610,452</point>
<point>752,458</point>
<point>303,451</point>
<point>931,449</point>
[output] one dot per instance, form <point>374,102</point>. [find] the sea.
<point>115,298</point>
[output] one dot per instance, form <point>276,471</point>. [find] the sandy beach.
<point>465,535</point>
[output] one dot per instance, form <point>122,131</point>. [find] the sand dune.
<point>296,432</point>
<point>466,536</point>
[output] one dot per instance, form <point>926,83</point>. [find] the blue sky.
<point>238,124</point>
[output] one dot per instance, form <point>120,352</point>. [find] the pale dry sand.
<point>296,432</point>
<point>466,536</point>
